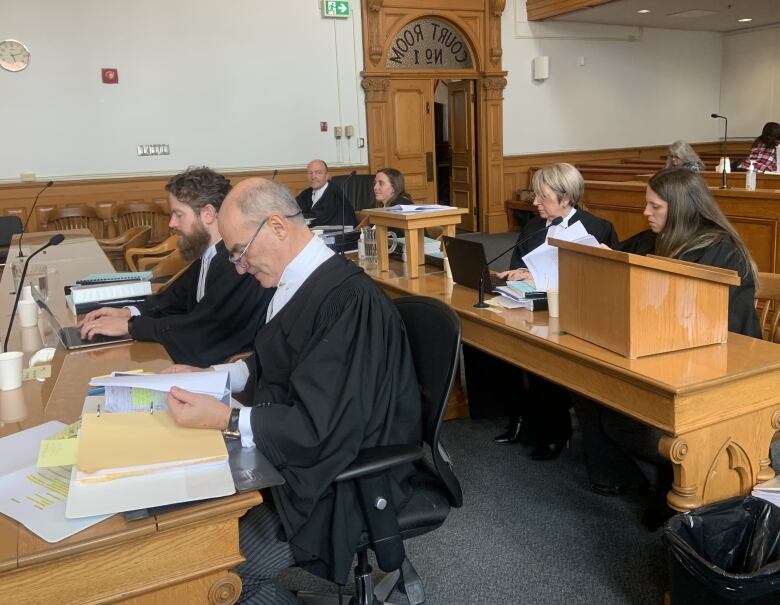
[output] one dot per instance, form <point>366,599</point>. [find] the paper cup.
<point>28,313</point>
<point>10,370</point>
<point>552,303</point>
<point>26,293</point>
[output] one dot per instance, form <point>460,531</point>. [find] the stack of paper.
<point>129,461</point>
<point>769,491</point>
<point>142,392</point>
<point>35,497</point>
<point>412,208</point>
<point>431,246</point>
<point>542,262</point>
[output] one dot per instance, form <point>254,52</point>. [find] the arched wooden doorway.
<point>408,48</point>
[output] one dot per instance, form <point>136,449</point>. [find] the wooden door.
<point>411,140</point>
<point>463,181</point>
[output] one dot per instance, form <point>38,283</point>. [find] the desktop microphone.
<point>724,179</point>
<point>343,205</point>
<point>481,302</point>
<point>24,227</point>
<point>273,178</point>
<point>53,241</point>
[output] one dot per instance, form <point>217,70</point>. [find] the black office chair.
<point>9,226</point>
<point>434,335</point>
<point>358,189</point>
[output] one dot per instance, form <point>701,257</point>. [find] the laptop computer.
<point>70,336</point>
<point>467,262</point>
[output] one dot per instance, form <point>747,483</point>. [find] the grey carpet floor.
<point>530,533</point>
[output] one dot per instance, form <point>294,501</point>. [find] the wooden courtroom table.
<point>414,226</point>
<point>718,405</point>
<point>178,557</point>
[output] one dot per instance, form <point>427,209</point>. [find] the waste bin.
<point>725,553</point>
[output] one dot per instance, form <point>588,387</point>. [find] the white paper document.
<point>542,262</point>
<point>36,497</point>
<point>412,208</point>
<point>140,392</point>
<point>769,491</point>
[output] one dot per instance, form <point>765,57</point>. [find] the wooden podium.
<point>640,305</point>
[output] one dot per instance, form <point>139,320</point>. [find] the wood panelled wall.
<point>517,167</point>
<point>107,194</point>
<point>542,9</point>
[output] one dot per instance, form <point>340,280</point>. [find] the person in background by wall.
<point>390,188</point>
<point>764,152</point>
<point>323,203</point>
<point>682,155</point>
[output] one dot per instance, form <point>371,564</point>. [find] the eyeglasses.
<point>239,260</point>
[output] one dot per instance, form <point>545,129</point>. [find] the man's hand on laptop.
<point>515,274</point>
<point>108,326</point>
<point>105,312</point>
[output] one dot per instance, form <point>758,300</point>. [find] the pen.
<point>97,391</point>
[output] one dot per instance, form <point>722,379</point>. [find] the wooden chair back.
<point>114,248</point>
<point>171,266</point>
<point>78,217</point>
<point>768,305</point>
<point>143,214</point>
<point>141,259</point>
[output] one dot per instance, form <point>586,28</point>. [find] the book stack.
<point>108,290</point>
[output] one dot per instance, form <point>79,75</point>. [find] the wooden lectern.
<point>640,305</point>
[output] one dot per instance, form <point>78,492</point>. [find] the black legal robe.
<point>599,228</point>
<point>223,323</point>
<point>723,254</point>
<point>328,209</point>
<point>332,373</point>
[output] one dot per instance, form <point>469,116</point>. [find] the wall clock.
<point>14,55</point>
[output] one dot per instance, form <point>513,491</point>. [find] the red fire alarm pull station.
<point>323,127</point>
<point>110,75</point>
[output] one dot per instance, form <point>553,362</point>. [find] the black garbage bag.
<point>727,553</point>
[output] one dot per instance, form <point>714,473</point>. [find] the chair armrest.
<point>376,459</point>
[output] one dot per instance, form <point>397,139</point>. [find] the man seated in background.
<point>331,374</point>
<point>323,203</point>
<point>210,312</point>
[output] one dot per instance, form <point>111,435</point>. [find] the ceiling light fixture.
<point>745,20</point>
<point>644,11</point>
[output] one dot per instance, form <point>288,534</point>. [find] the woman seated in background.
<point>764,152</point>
<point>558,190</point>
<point>682,155</point>
<point>390,188</point>
<point>685,223</point>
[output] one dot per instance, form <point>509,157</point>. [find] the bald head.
<point>317,171</point>
<point>262,220</point>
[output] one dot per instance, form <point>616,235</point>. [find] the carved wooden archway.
<point>479,23</point>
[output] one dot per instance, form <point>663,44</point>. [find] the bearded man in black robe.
<point>331,374</point>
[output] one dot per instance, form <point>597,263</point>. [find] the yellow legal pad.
<point>133,443</point>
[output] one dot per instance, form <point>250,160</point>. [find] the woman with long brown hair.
<point>685,223</point>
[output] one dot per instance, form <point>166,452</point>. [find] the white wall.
<point>750,85</point>
<point>661,87</point>
<point>240,84</point>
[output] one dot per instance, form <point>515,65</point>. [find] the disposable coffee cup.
<point>26,293</point>
<point>552,303</point>
<point>10,370</point>
<point>28,313</point>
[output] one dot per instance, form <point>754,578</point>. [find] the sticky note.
<point>58,452</point>
<point>36,372</point>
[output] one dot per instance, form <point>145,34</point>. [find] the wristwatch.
<point>232,432</point>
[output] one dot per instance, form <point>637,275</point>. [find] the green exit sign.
<point>335,8</point>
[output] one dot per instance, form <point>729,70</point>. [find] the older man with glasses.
<point>331,374</point>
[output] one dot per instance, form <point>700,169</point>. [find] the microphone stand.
<point>32,209</point>
<point>481,304</point>
<point>55,239</point>
<point>724,178</point>
<point>343,205</point>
